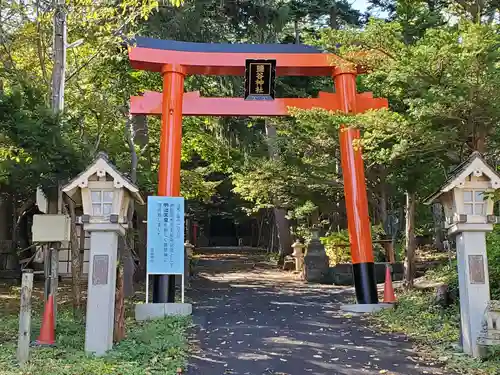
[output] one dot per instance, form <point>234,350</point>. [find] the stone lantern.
<point>469,216</point>
<point>298,254</point>
<point>105,195</point>
<point>316,263</point>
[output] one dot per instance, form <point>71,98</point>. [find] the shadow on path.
<point>252,319</point>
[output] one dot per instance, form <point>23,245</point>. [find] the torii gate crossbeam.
<point>174,60</point>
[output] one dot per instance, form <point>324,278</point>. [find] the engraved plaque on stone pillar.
<point>476,269</point>
<point>100,270</point>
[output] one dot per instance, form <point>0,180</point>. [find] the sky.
<point>360,4</point>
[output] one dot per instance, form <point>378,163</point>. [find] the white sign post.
<point>165,253</point>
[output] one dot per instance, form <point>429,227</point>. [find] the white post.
<point>101,286</point>
<point>473,281</point>
<point>23,340</point>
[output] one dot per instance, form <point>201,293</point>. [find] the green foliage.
<point>493,248</point>
<point>437,328</point>
<point>36,147</point>
<point>337,247</point>
<point>303,171</point>
<point>429,322</point>
<point>447,274</point>
<point>437,82</point>
<point>157,347</point>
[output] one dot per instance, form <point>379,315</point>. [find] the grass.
<point>436,330</point>
<point>153,348</point>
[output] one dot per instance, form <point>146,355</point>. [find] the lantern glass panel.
<point>467,196</point>
<point>474,203</point>
<point>478,196</point>
<point>96,196</point>
<point>479,209</point>
<point>107,197</point>
<point>107,208</point>
<point>469,208</point>
<point>102,202</point>
<point>97,209</point>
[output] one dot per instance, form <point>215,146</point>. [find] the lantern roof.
<point>101,166</point>
<point>476,165</point>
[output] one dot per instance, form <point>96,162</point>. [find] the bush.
<point>438,328</point>
<point>154,348</point>
<point>338,247</point>
<point>418,316</point>
<point>447,274</point>
<point>493,248</point>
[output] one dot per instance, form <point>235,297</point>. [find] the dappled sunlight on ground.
<point>253,319</point>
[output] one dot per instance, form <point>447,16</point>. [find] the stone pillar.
<point>101,286</point>
<point>473,281</point>
<point>316,264</point>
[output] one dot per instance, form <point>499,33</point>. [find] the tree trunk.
<point>261,219</point>
<point>282,223</point>
<point>410,240</point>
<point>480,141</point>
<point>135,126</point>
<point>119,326</point>
<point>141,139</point>
<point>82,248</point>
<point>4,219</point>
<point>297,30</point>
<point>437,216</point>
<point>333,17</point>
<point>284,237</point>
<point>76,266</point>
<point>141,230</point>
<point>382,206</point>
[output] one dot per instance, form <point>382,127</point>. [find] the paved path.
<point>254,320</point>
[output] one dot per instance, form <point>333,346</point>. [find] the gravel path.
<point>252,319</point>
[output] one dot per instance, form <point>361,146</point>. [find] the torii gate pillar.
<point>356,199</point>
<point>169,170</point>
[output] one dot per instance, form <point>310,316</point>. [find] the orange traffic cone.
<point>389,296</point>
<point>47,332</point>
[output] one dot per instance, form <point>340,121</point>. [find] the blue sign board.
<point>165,235</point>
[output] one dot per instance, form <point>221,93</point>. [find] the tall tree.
<point>439,80</point>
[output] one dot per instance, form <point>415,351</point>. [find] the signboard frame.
<point>176,241</point>
<point>265,72</point>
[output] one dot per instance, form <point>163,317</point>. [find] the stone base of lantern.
<point>489,338</point>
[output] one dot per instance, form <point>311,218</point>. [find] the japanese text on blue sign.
<point>165,240</point>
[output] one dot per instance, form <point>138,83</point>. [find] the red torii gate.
<point>174,60</point>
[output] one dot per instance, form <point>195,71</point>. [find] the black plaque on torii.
<point>260,76</point>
